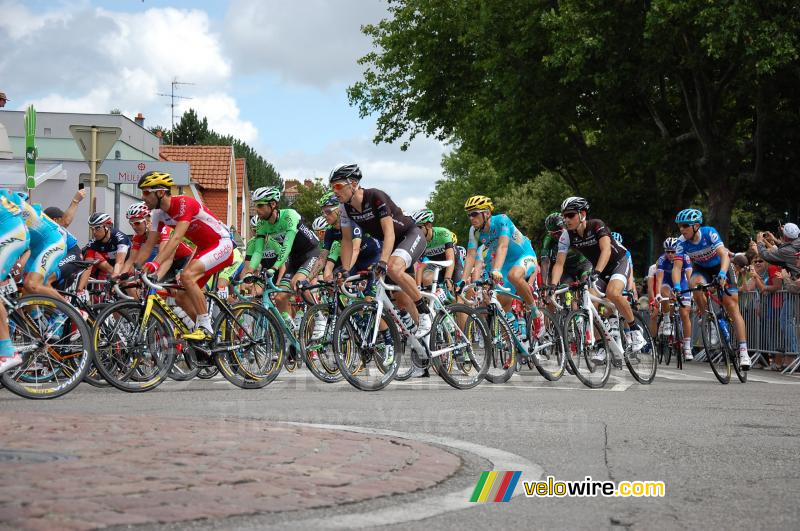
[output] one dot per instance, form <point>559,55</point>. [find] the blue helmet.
<point>690,216</point>
<point>670,244</point>
<point>617,236</point>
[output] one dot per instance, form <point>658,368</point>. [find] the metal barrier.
<point>772,326</point>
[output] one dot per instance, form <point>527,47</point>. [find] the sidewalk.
<point>88,471</point>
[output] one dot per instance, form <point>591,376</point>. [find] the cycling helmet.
<point>461,252</point>
<point>422,216</point>
<point>554,222</point>
<point>156,180</point>
<point>99,218</point>
<point>670,244</point>
<point>348,171</point>
<point>319,223</point>
<point>265,194</point>
<point>478,202</point>
<point>137,210</point>
<point>254,221</point>
<point>328,199</point>
<point>575,204</point>
<point>690,216</point>
<point>617,236</point>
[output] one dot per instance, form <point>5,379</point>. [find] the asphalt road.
<point>728,455</point>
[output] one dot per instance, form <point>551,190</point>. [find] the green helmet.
<point>265,194</point>
<point>328,199</point>
<point>423,216</point>
<point>554,222</point>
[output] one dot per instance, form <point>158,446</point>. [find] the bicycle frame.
<point>587,303</point>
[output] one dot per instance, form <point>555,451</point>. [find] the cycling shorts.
<point>686,298</point>
<point>14,241</point>
<point>303,264</point>
<point>214,258</point>
<point>411,247</point>
<point>621,270</point>
<point>526,262</point>
<point>67,269</point>
<point>46,256</point>
<point>708,274</point>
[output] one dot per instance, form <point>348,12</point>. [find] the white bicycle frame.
<point>586,304</point>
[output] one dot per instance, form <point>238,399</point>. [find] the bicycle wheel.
<point>207,372</point>
<point>733,355</point>
<point>55,356</point>
<point>547,345</point>
<point>182,370</point>
<point>362,362</point>
<point>131,355</point>
<point>715,353</point>
<point>676,343</point>
<point>408,362</point>
<point>642,365</point>
<point>93,376</point>
<point>589,360</point>
<point>461,332</point>
<point>504,351</point>
<point>249,346</point>
<point>316,340</point>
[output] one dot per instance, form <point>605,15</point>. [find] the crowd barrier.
<point>772,325</point>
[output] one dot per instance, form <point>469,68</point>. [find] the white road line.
<point>429,507</point>
<point>677,375</point>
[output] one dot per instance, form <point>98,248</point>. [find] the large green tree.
<point>644,107</point>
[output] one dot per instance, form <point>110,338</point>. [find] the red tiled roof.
<point>209,166</point>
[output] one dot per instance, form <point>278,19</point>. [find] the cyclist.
<point>576,267</point>
<point>401,241</point>
<point>228,276</point>
<point>299,245</point>
<point>268,258</point>
<point>592,238</point>
<point>14,241</point>
<point>509,257</point>
<point>631,283</point>
<point>196,223</point>
<point>710,260</point>
<point>109,245</point>
<point>663,267</point>
<point>441,246</point>
<point>48,245</point>
<point>138,215</point>
<point>67,270</point>
<point>365,252</point>
<point>319,226</point>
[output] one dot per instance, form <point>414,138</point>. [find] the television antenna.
<point>172,96</point>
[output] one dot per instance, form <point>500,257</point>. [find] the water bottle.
<point>407,321</point>
<point>522,326</point>
<point>724,328</point>
<point>613,329</point>
<point>298,316</point>
<point>183,316</point>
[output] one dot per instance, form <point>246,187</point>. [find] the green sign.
<point>30,147</point>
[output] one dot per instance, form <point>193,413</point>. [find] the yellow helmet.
<point>156,179</point>
<point>478,202</point>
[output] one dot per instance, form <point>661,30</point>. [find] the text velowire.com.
<point>551,488</point>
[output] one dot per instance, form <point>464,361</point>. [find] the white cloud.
<point>314,42</point>
<point>84,59</point>
<point>407,176</point>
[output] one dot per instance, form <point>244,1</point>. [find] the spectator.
<point>3,99</point>
<point>65,218</point>
<point>741,265</point>
<point>792,286</point>
<point>781,253</point>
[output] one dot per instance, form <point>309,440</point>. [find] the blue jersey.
<point>665,265</point>
<point>72,241</point>
<point>8,206</point>
<point>501,225</point>
<point>42,229</point>
<point>703,253</point>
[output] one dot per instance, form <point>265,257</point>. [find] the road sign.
<point>30,147</point>
<point>130,171</point>
<point>106,138</point>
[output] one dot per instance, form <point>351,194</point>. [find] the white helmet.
<point>254,221</point>
<point>137,210</point>
<point>266,194</point>
<point>319,223</point>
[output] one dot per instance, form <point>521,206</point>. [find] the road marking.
<point>429,507</point>
<point>676,375</point>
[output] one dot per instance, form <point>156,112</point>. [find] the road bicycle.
<point>669,335</point>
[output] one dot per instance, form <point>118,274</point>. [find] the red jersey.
<point>181,252</point>
<point>204,230</point>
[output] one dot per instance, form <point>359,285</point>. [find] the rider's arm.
<point>168,250</point>
<point>558,267</point>
<point>346,247</point>
<point>387,226</point>
<point>545,269</point>
<point>147,247</point>
<point>469,263</point>
<point>450,254</point>
<point>604,242</point>
<point>500,253</point>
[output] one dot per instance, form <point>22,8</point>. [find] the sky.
<point>272,73</point>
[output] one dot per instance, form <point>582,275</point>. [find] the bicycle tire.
<point>645,370</point>
<point>120,359</point>
<point>733,354</point>
<point>677,341</point>
<point>715,353</point>
<point>356,364</point>
<point>207,372</point>
<point>93,376</point>
<point>591,374</point>
<point>548,348</point>
<point>504,352</point>
<point>318,352</point>
<point>257,360</point>
<point>446,332</point>
<point>28,331</point>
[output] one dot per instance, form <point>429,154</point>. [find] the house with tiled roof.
<point>212,169</point>
<point>291,189</point>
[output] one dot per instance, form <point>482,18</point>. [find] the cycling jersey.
<point>14,238</point>
<point>183,250</point>
<point>704,252</point>
<point>269,256</point>
<point>204,229</point>
<point>8,207</point>
<point>41,228</point>
<point>519,246</point>
<point>376,206</point>
<point>441,240</point>
<point>370,247</point>
<point>589,244</point>
<point>665,264</point>
<point>72,241</point>
<point>575,261</point>
<point>118,242</point>
<point>289,230</point>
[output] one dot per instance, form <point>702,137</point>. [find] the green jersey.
<point>289,231</point>
<point>575,260</point>
<point>442,240</point>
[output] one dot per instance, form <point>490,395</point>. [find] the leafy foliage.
<point>307,202</point>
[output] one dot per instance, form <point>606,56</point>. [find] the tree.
<point>645,108</point>
<point>307,202</point>
<point>191,131</point>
